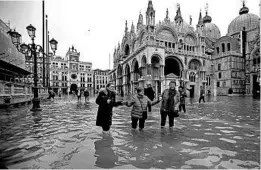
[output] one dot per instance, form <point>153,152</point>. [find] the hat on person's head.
<point>139,89</point>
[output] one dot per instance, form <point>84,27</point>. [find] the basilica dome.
<point>210,30</point>
<point>245,19</point>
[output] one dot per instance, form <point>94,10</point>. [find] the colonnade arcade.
<point>157,73</point>
<point>139,73</point>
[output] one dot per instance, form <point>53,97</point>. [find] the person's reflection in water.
<point>140,161</point>
<point>106,158</point>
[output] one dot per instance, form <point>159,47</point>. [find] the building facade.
<point>100,79</point>
<point>15,87</point>
<point>193,57</point>
<point>70,73</point>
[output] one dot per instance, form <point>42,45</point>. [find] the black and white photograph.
<point>130,84</point>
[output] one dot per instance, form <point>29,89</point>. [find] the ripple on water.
<point>210,151</point>
<point>197,125</point>
<point>228,131</point>
<point>208,162</point>
<point>237,137</point>
<point>217,127</point>
<point>228,140</point>
<point>200,140</point>
<point>218,134</point>
<point>189,144</point>
<point>237,164</point>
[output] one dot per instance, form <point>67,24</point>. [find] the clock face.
<point>73,76</point>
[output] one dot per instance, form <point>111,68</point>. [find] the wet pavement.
<point>222,133</point>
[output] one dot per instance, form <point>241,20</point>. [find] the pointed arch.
<point>127,69</point>
<point>119,71</point>
<point>133,64</point>
<point>194,64</point>
<point>167,30</point>
<point>143,61</point>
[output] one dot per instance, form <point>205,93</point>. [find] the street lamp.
<point>31,50</point>
<point>53,43</point>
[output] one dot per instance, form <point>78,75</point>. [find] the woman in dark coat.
<point>106,102</point>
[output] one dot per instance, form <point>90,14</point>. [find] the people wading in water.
<point>106,101</point>
<point>139,103</point>
<point>169,105</point>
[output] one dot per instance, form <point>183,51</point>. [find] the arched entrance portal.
<point>73,88</point>
<point>120,80</point>
<point>172,66</point>
<point>136,74</point>
<point>172,71</point>
<point>128,80</point>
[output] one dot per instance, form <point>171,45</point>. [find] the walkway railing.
<point>15,92</point>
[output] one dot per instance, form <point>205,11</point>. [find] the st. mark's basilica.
<point>173,50</point>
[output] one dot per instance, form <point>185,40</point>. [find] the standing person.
<point>183,96</point>
<point>60,93</point>
<point>149,92</point>
<point>106,100</point>
<point>79,95</point>
<point>169,105</point>
<point>140,102</point>
<point>51,94</point>
<point>86,95</point>
<point>202,95</point>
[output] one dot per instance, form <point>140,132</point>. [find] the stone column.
<point>148,69</point>
<point>251,84</point>
<point>161,71</point>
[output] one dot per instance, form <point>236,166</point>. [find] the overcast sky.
<point>70,20</point>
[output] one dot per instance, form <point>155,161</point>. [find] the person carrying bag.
<point>169,105</point>
<point>140,102</point>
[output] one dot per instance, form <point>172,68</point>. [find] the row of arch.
<point>129,46</point>
<point>156,61</point>
<point>223,48</point>
<point>172,65</point>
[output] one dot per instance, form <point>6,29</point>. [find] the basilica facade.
<point>157,53</point>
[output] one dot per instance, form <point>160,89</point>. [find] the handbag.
<point>176,113</point>
<point>144,113</point>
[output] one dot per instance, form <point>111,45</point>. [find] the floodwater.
<point>222,133</point>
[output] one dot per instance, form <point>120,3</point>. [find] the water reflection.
<point>64,135</point>
<point>106,157</point>
<point>138,151</point>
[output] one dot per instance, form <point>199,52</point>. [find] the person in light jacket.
<point>139,103</point>
<point>106,101</point>
<point>169,105</point>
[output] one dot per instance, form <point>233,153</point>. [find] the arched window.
<point>228,47</point>
<point>192,77</point>
<point>217,50</point>
<point>127,50</point>
<point>223,47</point>
<point>203,49</point>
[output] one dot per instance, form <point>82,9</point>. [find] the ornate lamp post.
<point>31,50</point>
